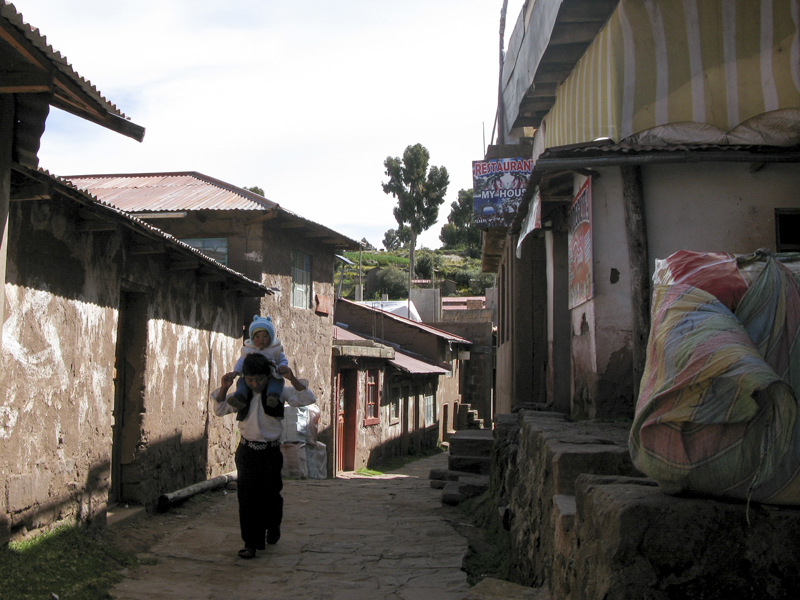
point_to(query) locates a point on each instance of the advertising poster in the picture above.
(498, 186)
(580, 246)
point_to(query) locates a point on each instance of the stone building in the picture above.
(426, 391)
(385, 401)
(292, 256)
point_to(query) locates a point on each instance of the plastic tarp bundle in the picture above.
(304, 460)
(300, 423)
(717, 411)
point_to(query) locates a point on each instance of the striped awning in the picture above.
(659, 62)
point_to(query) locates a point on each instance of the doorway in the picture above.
(129, 369)
(346, 393)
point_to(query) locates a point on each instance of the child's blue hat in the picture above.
(264, 323)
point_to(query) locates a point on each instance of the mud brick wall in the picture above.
(306, 333)
(65, 291)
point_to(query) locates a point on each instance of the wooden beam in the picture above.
(24, 82)
(94, 226)
(139, 249)
(31, 191)
(184, 265)
(261, 218)
(636, 226)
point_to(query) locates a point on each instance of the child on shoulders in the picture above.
(263, 341)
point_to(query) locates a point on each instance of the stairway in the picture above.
(468, 466)
(467, 418)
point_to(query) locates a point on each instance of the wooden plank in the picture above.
(184, 265)
(636, 227)
(94, 226)
(31, 191)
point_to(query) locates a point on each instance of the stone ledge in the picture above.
(635, 541)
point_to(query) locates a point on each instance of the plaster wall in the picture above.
(716, 207)
(63, 293)
(602, 326)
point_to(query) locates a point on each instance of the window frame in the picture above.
(302, 282)
(200, 244)
(372, 397)
(429, 405)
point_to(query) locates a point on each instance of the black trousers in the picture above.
(259, 486)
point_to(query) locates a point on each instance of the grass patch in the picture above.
(364, 472)
(396, 463)
(66, 561)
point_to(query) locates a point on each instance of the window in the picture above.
(430, 407)
(394, 403)
(372, 406)
(787, 228)
(216, 248)
(301, 279)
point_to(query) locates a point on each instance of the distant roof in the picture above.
(30, 184)
(450, 337)
(402, 360)
(42, 69)
(157, 192)
(190, 190)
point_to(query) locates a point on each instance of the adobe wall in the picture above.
(57, 390)
(306, 335)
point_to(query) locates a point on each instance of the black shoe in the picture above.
(274, 411)
(273, 535)
(247, 553)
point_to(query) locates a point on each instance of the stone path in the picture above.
(376, 538)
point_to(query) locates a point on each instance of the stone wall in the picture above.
(586, 526)
(306, 333)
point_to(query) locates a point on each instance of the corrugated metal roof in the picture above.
(65, 188)
(166, 192)
(402, 360)
(340, 333)
(450, 337)
(37, 51)
(188, 190)
(409, 364)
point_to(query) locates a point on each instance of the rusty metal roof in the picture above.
(450, 337)
(187, 191)
(46, 70)
(402, 359)
(165, 192)
(45, 185)
(409, 364)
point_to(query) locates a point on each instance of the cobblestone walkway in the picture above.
(376, 538)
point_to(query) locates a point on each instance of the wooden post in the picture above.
(636, 227)
(6, 143)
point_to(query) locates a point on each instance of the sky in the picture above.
(305, 99)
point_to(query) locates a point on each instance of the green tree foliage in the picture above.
(394, 239)
(459, 231)
(419, 192)
(392, 281)
(255, 189)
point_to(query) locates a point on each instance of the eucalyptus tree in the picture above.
(419, 191)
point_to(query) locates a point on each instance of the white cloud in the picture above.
(305, 99)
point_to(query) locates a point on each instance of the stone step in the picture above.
(447, 474)
(472, 464)
(472, 442)
(455, 492)
(497, 589)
